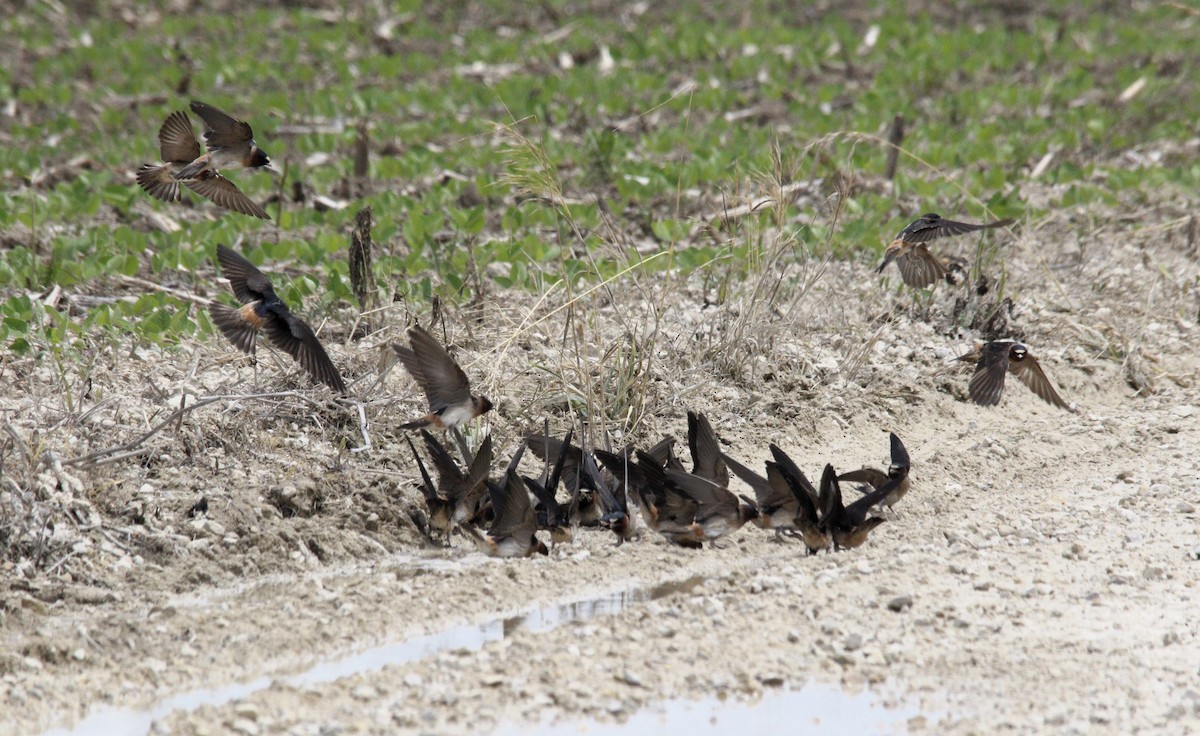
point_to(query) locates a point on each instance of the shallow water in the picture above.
(135, 722)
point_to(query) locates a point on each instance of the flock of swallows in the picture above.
(688, 508)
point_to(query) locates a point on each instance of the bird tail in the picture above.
(424, 421)
(192, 170)
(482, 541)
(231, 324)
(158, 182)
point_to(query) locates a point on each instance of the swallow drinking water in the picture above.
(718, 511)
(183, 164)
(994, 360)
(811, 508)
(849, 525)
(874, 478)
(264, 311)
(514, 531)
(445, 384)
(918, 267)
(777, 505)
(457, 494)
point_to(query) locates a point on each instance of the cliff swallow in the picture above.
(995, 359)
(514, 531)
(443, 381)
(614, 507)
(810, 511)
(580, 485)
(777, 505)
(665, 509)
(264, 310)
(718, 511)
(230, 144)
(624, 475)
(849, 525)
(706, 453)
(455, 498)
(559, 519)
(874, 478)
(179, 149)
(918, 267)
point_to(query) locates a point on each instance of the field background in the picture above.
(618, 211)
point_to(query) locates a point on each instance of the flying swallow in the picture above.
(777, 505)
(849, 525)
(456, 497)
(811, 509)
(874, 478)
(230, 144)
(918, 267)
(263, 310)
(994, 359)
(514, 531)
(179, 148)
(718, 511)
(443, 381)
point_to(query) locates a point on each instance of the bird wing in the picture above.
(831, 506)
(766, 494)
(870, 476)
(224, 193)
(943, 228)
(900, 457)
(706, 453)
(987, 385)
(919, 268)
(856, 513)
(428, 489)
(292, 335)
(1031, 374)
(177, 141)
(444, 382)
(710, 498)
(220, 129)
(450, 476)
(248, 283)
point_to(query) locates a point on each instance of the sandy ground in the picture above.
(1049, 558)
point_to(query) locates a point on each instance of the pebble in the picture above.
(365, 692)
(249, 711)
(1184, 507)
(412, 679)
(245, 727)
(853, 642)
(900, 603)
(629, 678)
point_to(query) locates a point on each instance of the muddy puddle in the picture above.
(135, 722)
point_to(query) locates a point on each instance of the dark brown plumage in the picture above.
(446, 386)
(919, 268)
(994, 360)
(264, 311)
(874, 478)
(183, 164)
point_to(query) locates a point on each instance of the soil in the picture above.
(1040, 576)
